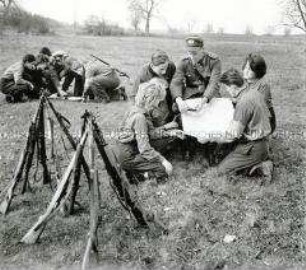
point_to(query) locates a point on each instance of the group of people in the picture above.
(161, 92)
(153, 125)
(54, 74)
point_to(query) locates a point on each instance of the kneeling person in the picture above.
(101, 82)
(250, 129)
(134, 149)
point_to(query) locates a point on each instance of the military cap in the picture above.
(159, 57)
(194, 41)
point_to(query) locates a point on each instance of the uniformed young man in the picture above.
(254, 70)
(250, 130)
(102, 83)
(162, 67)
(197, 75)
(18, 82)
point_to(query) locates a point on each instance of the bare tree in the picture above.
(295, 13)
(209, 29)
(5, 8)
(147, 9)
(220, 31)
(191, 23)
(270, 30)
(136, 19)
(248, 31)
(6, 5)
(287, 31)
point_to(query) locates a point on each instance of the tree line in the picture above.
(141, 13)
(13, 16)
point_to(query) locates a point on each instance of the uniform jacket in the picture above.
(163, 113)
(72, 64)
(199, 79)
(137, 128)
(96, 71)
(147, 74)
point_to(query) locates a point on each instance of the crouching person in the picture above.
(249, 130)
(134, 149)
(18, 81)
(101, 83)
(69, 69)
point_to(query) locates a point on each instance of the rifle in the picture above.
(121, 73)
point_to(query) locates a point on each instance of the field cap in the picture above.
(60, 54)
(159, 57)
(194, 41)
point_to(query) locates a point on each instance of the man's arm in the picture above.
(266, 91)
(242, 115)
(18, 72)
(272, 119)
(178, 81)
(142, 139)
(213, 86)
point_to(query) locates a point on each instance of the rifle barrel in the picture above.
(108, 64)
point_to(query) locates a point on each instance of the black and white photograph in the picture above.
(153, 134)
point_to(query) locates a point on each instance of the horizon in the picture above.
(262, 16)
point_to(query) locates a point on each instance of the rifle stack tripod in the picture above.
(67, 186)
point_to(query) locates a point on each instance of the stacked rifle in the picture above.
(68, 186)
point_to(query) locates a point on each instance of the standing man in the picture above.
(197, 75)
(161, 67)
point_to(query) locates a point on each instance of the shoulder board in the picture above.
(212, 55)
(185, 59)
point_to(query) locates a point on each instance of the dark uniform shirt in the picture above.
(252, 112)
(146, 74)
(162, 114)
(195, 80)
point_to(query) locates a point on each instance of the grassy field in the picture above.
(268, 221)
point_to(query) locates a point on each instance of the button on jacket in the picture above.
(199, 79)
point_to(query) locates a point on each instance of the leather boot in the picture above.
(265, 168)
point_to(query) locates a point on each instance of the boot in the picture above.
(265, 168)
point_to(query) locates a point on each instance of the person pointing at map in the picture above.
(197, 75)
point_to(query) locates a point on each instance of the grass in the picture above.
(267, 220)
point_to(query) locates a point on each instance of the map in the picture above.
(210, 122)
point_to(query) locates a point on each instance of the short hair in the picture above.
(46, 51)
(232, 77)
(28, 58)
(159, 57)
(257, 64)
(150, 91)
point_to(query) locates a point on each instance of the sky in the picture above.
(231, 15)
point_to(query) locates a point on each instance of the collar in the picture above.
(244, 88)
